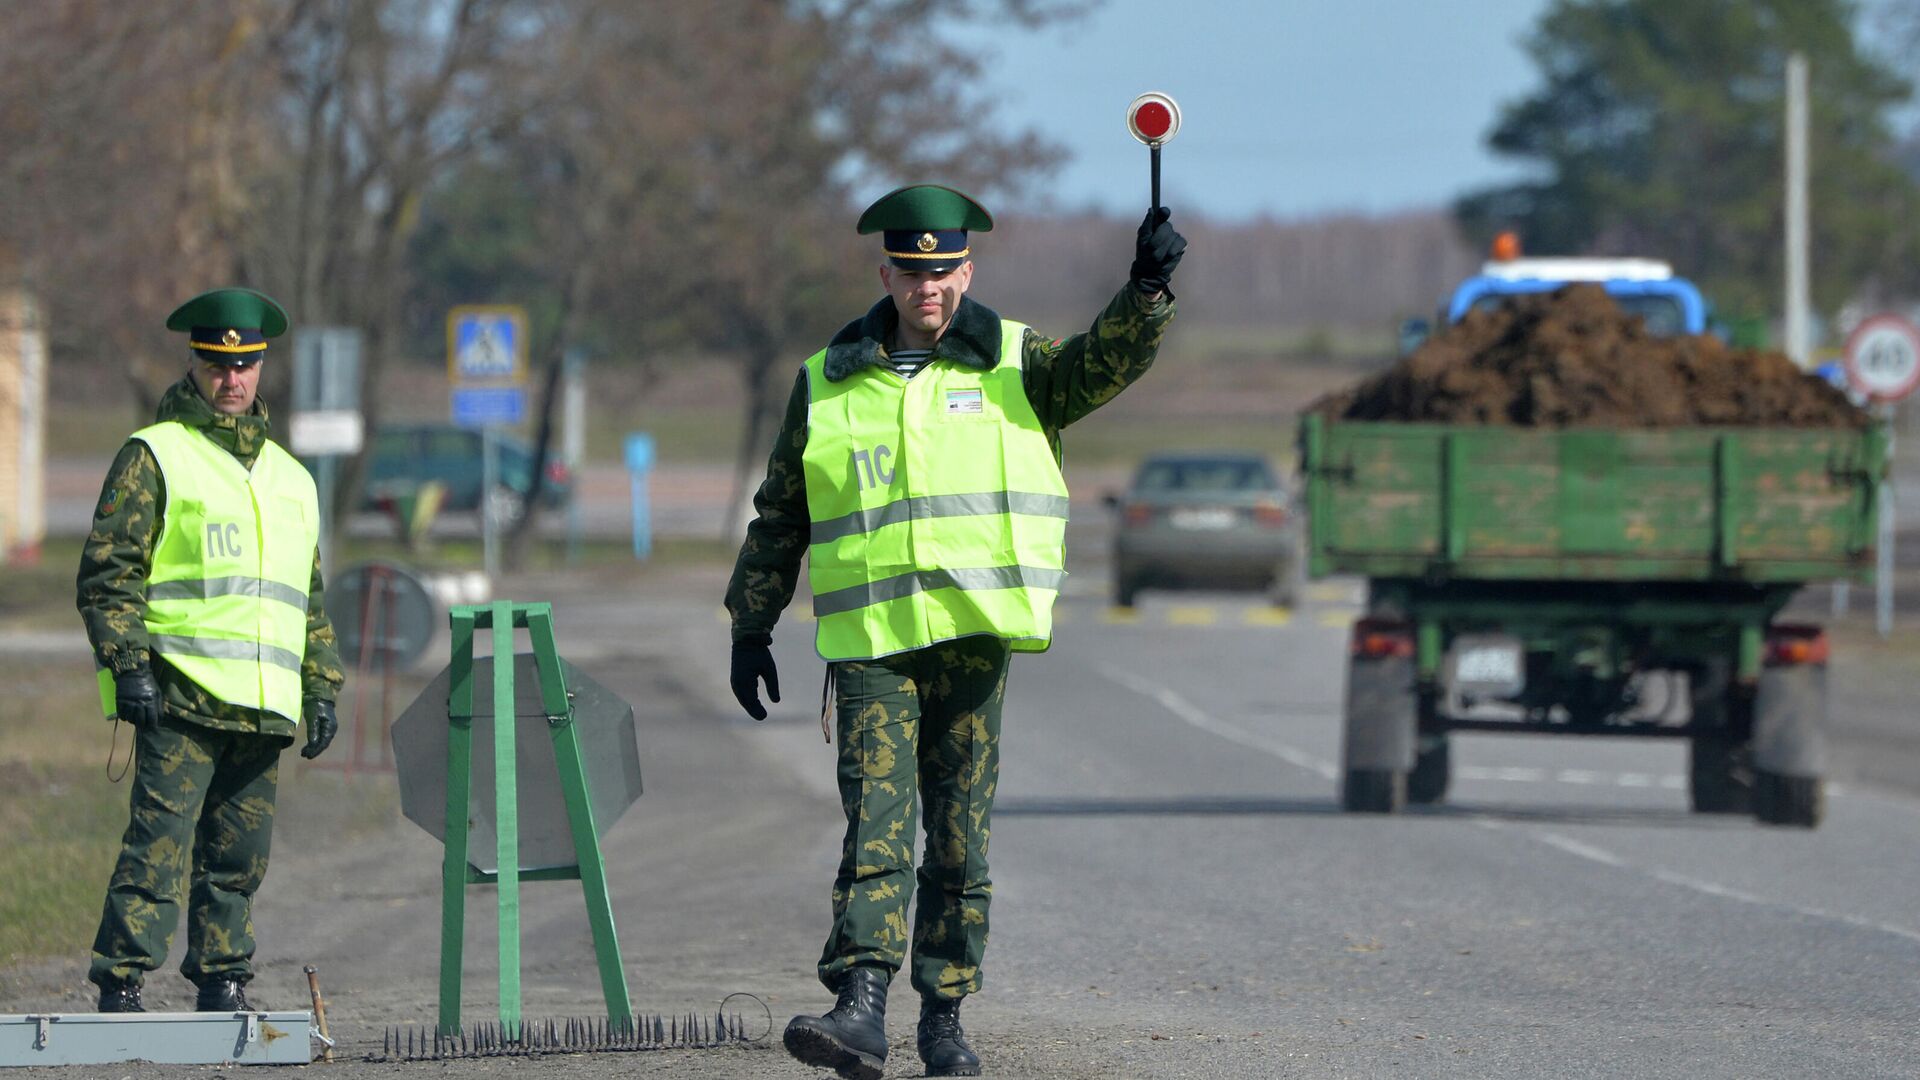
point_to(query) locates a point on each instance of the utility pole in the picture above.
(1799, 300)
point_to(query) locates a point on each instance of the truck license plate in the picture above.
(1488, 666)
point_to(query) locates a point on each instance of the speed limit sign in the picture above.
(1883, 358)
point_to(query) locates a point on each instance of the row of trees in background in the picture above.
(661, 176)
(1659, 130)
(657, 179)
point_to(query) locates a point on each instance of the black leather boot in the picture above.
(222, 995)
(943, 1045)
(852, 1038)
(120, 997)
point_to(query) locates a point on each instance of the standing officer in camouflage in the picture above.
(918, 468)
(200, 589)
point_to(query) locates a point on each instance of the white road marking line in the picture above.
(1700, 885)
(1193, 714)
(1575, 847)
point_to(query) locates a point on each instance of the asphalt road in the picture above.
(1176, 893)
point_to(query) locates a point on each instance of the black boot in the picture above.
(222, 994)
(943, 1045)
(852, 1038)
(120, 997)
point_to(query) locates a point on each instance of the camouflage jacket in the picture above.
(112, 585)
(1065, 378)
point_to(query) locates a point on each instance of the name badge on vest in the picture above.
(965, 402)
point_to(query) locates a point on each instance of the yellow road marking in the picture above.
(1330, 594)
(1268, 616)
(1192, 615)
(1120, 616)
(1338, 618)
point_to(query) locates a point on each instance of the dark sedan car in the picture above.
(1204, 521)
(406, 456)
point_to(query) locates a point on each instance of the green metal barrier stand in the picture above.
(503, 617)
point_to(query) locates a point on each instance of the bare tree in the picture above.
(131, 136)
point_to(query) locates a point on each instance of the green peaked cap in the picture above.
(237, 309)
(925, 207)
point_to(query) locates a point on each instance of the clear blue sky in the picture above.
(1290, 107)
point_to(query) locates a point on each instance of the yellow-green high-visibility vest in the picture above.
(937, 508)
(227, 591)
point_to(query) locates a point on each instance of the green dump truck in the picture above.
(1620, 582)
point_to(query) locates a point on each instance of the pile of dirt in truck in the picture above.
(1573, 358)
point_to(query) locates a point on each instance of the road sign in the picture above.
(605, 726)
(383, 616)
(486, 406)
(1883, 357)
(321, 434)
(486, 344)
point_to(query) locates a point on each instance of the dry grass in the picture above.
(62, 817)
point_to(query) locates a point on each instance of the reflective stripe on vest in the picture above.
(227, 588)
(937, 508)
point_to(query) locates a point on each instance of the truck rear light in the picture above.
(1788, 645)
(1138, 514)
(1380, 639)
(557, 473)
(1274, 516)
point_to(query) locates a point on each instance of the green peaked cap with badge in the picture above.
(229, 326)
(925, 226)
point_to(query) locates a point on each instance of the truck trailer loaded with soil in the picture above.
(1571, 524)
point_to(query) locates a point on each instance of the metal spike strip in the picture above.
(563, 1036)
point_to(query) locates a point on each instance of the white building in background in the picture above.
(23, 427)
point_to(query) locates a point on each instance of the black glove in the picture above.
(753, 661)
(321, 726)
(136, 698)
(1156, 252)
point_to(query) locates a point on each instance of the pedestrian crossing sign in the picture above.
(487, 345)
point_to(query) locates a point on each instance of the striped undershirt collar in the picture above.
(908, 362)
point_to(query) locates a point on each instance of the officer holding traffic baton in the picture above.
(918, 469)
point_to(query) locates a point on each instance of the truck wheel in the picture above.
(1381, 726)
(1432, 770)
(1789, 745)
(1799, 801)
(1718, 778)
(1374, 791)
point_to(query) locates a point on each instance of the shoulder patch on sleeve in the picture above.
(111, 502)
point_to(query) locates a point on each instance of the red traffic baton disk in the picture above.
(1153, 118)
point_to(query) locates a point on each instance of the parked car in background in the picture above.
(1205, 520)
(406, 456)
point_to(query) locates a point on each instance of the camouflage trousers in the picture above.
(202, 801)
(922, 725)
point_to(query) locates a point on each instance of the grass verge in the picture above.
(62, 817)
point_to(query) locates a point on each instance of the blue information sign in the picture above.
(486, 406)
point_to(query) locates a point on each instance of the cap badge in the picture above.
(926, 242)
(230, 338)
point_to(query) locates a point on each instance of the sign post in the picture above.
(573, 439)
(487, 374)
(639, 467)
(327, 422)
(1883, 364)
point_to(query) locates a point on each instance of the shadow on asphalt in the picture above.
(1188, 805)
(1180, 805)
